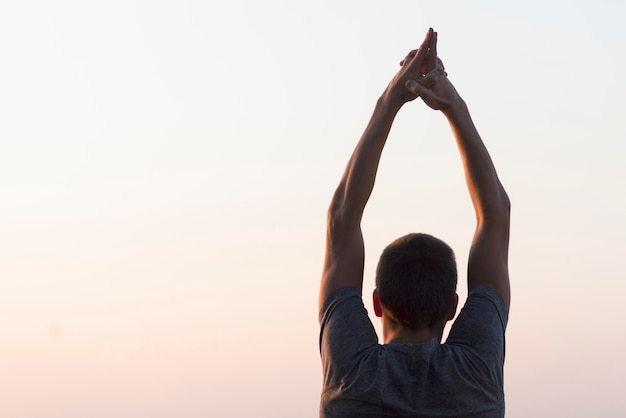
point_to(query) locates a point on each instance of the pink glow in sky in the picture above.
(166, 168)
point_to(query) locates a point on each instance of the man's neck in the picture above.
(395, 334)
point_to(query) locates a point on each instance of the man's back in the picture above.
(463, 377)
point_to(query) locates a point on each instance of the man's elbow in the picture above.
(335, 209)
(340, 214)
(337, 203)
(503, 209)
(497, 211)
(505, 202)
(335, 216)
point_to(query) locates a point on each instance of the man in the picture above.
(412, 374)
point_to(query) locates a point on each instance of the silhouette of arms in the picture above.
(344, 257)
(488, 258)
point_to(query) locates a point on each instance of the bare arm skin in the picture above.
(488, 258)
(489, 253)
(345, 254)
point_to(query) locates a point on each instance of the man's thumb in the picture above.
(414, 86)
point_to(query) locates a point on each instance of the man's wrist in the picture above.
(390, 102)
(457, 109)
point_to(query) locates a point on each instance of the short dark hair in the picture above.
(416, 280)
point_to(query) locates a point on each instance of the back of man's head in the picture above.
(416, 280)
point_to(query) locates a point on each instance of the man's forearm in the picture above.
(488, 195)
(358, 178)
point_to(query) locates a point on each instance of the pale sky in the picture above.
(166, 168)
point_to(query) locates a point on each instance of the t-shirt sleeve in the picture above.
(480, 327)
(345, 332)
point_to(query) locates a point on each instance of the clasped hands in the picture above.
(422, 74)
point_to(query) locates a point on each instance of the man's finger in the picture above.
(415, 87)
(423, 49)
(427, 95)
(431, 77)
(408, 57)
(432, 53)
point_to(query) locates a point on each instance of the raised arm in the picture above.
(345, 256)
(488, 258)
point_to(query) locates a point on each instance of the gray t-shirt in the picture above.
(461, 378)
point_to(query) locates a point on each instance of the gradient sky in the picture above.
(166, 167)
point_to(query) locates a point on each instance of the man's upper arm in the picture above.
(345, 254)
(480, 328)
(488, 257)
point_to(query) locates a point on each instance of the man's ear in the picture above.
(378, 310)
(453, 308)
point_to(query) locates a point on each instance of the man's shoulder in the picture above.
(338, 296)
(484, 306)
(477, 336)
(345, 327)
